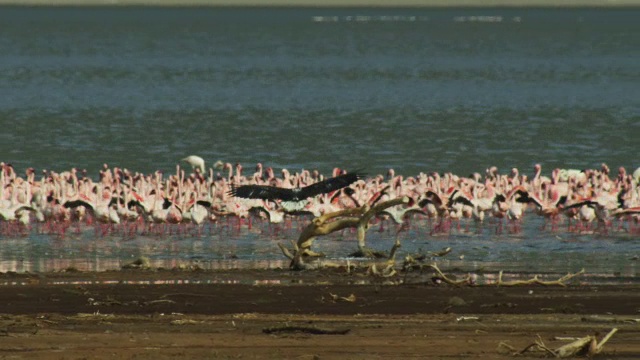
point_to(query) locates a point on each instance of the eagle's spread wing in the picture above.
(263, 192)
(75, 203)
(298, 194)
(588, 203)
(329, 185)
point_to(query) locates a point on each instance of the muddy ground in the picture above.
(300, 315)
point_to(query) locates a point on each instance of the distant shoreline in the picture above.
(333, 3)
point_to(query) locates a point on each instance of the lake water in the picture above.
(411, 89)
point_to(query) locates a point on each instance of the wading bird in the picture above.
(196, 162)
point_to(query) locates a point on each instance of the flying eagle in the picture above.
(295, 199)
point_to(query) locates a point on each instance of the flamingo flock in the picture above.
(122, 200)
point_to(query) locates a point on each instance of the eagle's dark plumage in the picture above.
(296, 194)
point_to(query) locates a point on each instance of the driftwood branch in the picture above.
(416, 263)
(389, 266)
(285, 251)
(600, 345)
(363, 224)
(536, 281)
(351, 298)
(442, 277)
(587, 345)
(328, 223)
(411, 263)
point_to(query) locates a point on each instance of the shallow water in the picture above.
(485, 249)
(417, 90)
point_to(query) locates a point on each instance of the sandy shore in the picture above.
(336, 3)
(260, 314)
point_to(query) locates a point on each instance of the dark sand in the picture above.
(76, 315)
